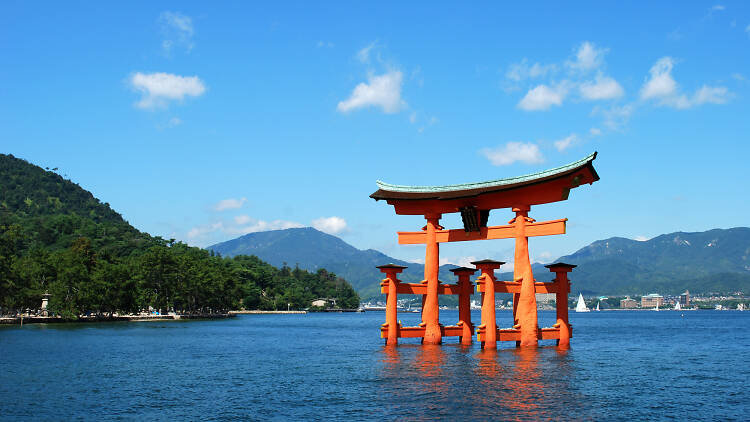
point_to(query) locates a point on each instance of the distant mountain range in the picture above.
(311, 249)
(716, 260)
(712, 261)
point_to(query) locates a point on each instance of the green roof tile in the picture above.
(489, 184)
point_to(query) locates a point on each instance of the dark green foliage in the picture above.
(312, 250)
(56, 237)
(714, 261)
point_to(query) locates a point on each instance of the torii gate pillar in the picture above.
(487, 331)
(524, 303)
(464, 303)
(390, 283)
(561, 271)
(430, 309)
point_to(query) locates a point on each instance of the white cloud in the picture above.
(326, 44)
(242, 219)
(461, 261)
(171, 123)
(615, 117)
(382, 91)
(261, 226)
(520, 71)
(158, 89)
(711, 94)
(542, 97)
(330, 225)
(662, 88)
(243, 224)
(528, 153)
(595, 131)
(566, 142)
(177, 29)
(200, 231)
(675, 35)
(415, 118)
(363, 55)
(543, 257)
(660, 84)
(640, 238)
(465, 261)
(602, 88)
(588, 57)
(718, 7)
(229, 204)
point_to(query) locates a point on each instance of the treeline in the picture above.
(168, 276)
(57, 238)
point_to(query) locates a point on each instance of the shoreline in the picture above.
(121, 318)
(252, 312)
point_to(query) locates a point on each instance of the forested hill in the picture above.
(54, 212)
(712, 261)
(57, 237)
(312, 249)
(716, 261)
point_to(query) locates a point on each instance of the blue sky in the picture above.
(203, 121)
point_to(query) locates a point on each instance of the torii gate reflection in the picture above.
(475, 201)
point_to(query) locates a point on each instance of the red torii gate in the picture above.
(475, 201)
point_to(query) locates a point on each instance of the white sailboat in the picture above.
(657, 306)
(677, 306)
(597, 305)
(581, 305)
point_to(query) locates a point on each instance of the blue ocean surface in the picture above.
(622, 365)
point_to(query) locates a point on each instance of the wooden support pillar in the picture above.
(430, 309)
(561, 271)
(391, 302)
(526, 312)
(466, 289)
(487, 330)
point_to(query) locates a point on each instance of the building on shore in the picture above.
(652, 300)
(685, 299)
(628, 303)
(545, 298)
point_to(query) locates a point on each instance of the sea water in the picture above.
(622, 365)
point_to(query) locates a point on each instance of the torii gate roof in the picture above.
(538, 188)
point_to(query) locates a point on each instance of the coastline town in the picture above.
(652, 301)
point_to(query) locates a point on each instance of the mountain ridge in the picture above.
(356, 265)
(58, 238)
(715, 260)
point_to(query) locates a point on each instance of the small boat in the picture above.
(740, 306)
(597, 306)
(581, 305)
(677, 306)
(657, 306)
